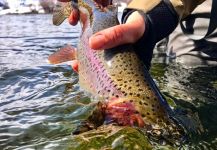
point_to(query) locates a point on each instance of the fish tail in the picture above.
(61, 12)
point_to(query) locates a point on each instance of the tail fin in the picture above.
(61, 12)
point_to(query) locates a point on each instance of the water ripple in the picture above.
(40, 104)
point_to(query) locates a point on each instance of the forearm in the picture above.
(161, 15)
(182, 7)
(161, 18)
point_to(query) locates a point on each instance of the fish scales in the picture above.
(59, 14)
(119, 73)
(119, 78)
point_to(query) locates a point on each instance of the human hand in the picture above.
(73, 16)
(129, 32)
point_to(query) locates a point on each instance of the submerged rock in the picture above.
(109, 137)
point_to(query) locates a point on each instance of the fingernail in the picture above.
(98, 37)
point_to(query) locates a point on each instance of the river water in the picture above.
(40, 104)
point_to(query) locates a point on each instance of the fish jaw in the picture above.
(123, 112)
(130, 112)
(115, 111)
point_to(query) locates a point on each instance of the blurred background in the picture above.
(26, 6)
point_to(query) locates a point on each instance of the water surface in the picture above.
(40, 104)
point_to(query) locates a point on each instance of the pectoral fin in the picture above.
(64, 54)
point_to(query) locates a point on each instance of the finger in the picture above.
(74, 17)
(120, 34)
(74, 65)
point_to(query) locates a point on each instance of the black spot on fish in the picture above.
(145, 103)
(131, 100)
(143, 115)
(140, 102)
(136, 112)
(138, 95)
(129, 88)
(148, 113)
(147, 97)
(160, 120)
(111, 81)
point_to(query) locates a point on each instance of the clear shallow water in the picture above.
(40, 104)
(37, 100)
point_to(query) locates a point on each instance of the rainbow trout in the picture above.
(119, 80)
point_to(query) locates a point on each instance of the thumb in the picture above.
(129, 32)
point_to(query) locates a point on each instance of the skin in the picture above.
(130, 32)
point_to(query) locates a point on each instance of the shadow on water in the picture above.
(193, 89)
